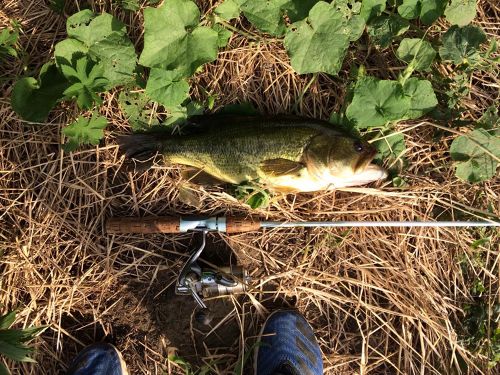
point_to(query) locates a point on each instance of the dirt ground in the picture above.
(380, 300)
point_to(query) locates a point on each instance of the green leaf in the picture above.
(84, 131)
(474, 164)
(319, 43)
(11, 340)
(376, 103)
(179, 114)
(8, 40)
(391, 147)
(130, 5)
(223, 35)
(422, 97)
(297, 10)
(252, 195)
(7, 320)
(167, 87)
(385, 28)
(427, 10)
(15, 350)
(4, 370)
(117, 56)
(89, 28)
(229, 9)
(372, 8)
(490, 120)
(418, 53)
(461, 45)
(57, 5)
(87, 80)
(103, 38)
(136, 109)
(33, 99)
(269, 15)
(461, 12)
(258, 200)
(173, 40)
(266, 15)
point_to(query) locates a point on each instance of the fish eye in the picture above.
(358, 146)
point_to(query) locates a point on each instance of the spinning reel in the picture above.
(204, 282)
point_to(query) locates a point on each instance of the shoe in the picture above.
(287, 346)
(98, 359)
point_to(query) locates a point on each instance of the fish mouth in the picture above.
(365, 160)
(370, 173)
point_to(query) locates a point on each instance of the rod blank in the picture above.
(378, 224)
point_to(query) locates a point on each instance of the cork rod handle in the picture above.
(124, 225)
(235, 224)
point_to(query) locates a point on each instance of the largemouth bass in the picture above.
(287, 154)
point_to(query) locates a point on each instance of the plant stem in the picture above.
(236, 30)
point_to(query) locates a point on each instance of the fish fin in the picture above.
(281, 167)
(283, 190)
(200, 177)
(142, 148)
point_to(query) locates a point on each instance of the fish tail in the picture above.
(143, 148)
(140, 146)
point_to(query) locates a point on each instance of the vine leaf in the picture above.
(372, 8)
(87, 80)
(130, 5)
(104, 40)
(84, 131)
(422, 98)
(377, 102)
(33, 99)
(266, 15)
(297, 10)
(8, 40)
(461, 45)
(269, 15)
(427, 10)
(461, 12)
(472, 154)
(167, 87)
(173, 39)
(135, 107)
(391, 147)
(223, 35)
(385, 28)
(319, 43)
(229, 9)
(418, 53)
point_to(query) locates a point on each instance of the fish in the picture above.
(282, 153)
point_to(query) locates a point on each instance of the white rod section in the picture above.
(335, 224)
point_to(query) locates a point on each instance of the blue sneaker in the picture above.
(98, 359)
(287, 346)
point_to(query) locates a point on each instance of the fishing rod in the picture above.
(235, 224)
(204, 282)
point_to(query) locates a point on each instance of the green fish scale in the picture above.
(234, 153)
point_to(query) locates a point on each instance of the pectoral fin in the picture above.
(281, 167)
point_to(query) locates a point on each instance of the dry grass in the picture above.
(379, 300)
